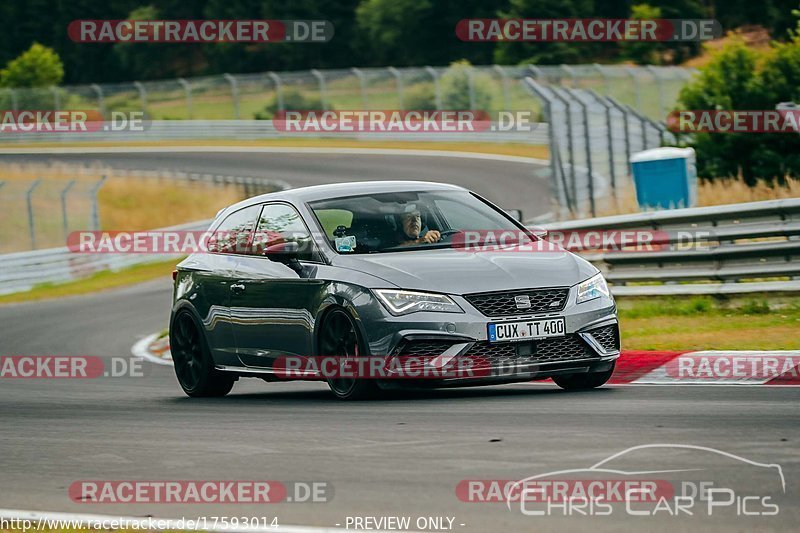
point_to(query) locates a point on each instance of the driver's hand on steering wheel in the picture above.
(430, 237)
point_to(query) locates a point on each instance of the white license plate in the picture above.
(524, 330)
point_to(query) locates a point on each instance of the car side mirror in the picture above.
(516, 214)
(284, 252)
(538, 232)
(287, 253)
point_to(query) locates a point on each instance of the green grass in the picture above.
(707, 323)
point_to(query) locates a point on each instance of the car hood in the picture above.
(462, 272)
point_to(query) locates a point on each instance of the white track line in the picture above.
(88, 520)
(271, 149)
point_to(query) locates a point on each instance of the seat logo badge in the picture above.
(523, 301)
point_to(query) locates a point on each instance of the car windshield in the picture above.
(403, 221)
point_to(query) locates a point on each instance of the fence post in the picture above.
(64, 220)
(13, 94)
(570, 148)
(437, 91)
(278, 89)
(101, 103)
(504, 82)
(632, 73)
(56, 98)
(95, 206)
(662, 129)
(362, 83)
(588, 148)
(396, 74)
(643, 121)
(610, 138)
(323, 98)
(643, 124)
(31, 222)
(188, 90)
(234, 94)
(142, 97)
(659, 84)
(555, 156)
(626, 126)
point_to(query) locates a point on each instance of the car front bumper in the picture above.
(591, 343)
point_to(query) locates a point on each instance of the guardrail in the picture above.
(23, 271)
(728, 249)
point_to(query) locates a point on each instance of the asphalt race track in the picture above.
(511, 185)
(403, 455)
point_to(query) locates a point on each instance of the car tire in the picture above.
(191, 356)
(586, 381)
(339, 337)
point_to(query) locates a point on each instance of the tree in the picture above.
(39, 66)
(511, 52)
(159, 60)
(643, 52)
(419, 32)
(455, 86)
(744, 79)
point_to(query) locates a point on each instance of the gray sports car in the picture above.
(418, 279)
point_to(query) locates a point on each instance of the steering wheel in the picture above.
(449, 232)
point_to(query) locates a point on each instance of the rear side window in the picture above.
(233, 236)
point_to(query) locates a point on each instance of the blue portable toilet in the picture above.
(665, 178)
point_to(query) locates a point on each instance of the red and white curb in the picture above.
(711, 367)
(708, 368)
(153, 348)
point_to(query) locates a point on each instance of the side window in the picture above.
(278, 225)
(235, 232)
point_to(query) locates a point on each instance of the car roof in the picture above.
(337, 190)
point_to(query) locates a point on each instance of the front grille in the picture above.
(562, 349)
(607, 337)
(421, 348)
(494, 353)
(504, 303)
(567, 348)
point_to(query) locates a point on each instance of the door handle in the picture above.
(237, 288)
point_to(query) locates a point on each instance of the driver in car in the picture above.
(411, 220)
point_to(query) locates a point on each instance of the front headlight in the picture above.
(592, 288)
(400, 302)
